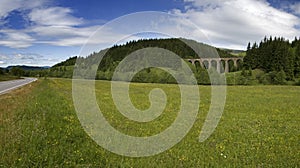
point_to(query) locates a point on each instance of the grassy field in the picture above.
(259, 128)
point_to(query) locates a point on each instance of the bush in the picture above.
(100, 75)
(17, 71)
(274, 77)
(1, 72)
(264, 79)
(298, 83)
(280, 78)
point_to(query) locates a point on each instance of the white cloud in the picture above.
(15, 39)
(295, 8)
(227, 23)
(3, 57)
(204, 4)
(50, 25)
(6, 6)
(31, 59)
(54, 16)
(27, 56)
(62, 31)
(235, 22)
(81, 36)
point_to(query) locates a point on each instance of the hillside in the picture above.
(70, 61)
(176, 45)
(274, 53)
(237, 53)
(27, 68)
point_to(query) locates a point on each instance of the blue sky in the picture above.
(45, 32)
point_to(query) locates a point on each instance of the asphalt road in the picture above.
(7, 86)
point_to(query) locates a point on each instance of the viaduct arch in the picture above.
(208, 62)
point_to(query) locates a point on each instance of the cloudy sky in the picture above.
(44, 32)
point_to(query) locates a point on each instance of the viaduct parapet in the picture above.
(216, 62)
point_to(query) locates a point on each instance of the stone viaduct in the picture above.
(216, 62)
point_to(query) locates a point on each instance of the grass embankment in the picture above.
(259, 128)
(8, 77)
(10, 104)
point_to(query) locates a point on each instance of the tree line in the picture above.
(272, 61)
(274, 55)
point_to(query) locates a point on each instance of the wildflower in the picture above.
(223, 155)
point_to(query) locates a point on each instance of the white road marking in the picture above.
(21, 81)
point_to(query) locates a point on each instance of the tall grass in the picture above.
(259, 128)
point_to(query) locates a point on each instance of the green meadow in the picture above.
(259, 128)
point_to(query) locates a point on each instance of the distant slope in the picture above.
(238, 53)
(28, 68)
(70, 61)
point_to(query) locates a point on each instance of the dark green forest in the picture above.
(177, 46)
(275, 54)
(114, 55)
(271, 61)
(277, 57)
(69, 62)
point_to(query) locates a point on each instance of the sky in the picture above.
(45, 32)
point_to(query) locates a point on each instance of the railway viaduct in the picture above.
(216, 62)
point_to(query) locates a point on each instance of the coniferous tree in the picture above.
(275, 55)
(297, 59)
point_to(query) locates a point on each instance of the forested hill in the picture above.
(274, 55)
(70, 61)
(272, 61)
(177, 45)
